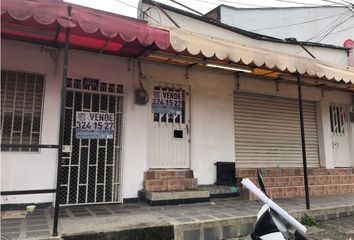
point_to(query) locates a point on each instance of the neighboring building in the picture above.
(326, 24)
(122, 71)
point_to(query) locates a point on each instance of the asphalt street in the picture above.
(335, 229)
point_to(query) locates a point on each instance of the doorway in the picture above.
(170, 127)
(91, 156)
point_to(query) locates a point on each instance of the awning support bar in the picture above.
(301, 110)
(61, 127)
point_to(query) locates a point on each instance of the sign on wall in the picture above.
(349, 43)
(167, 101)
(94, 125)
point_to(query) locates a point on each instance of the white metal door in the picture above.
(170, 134)
(267, 132)
(91, 167)
(340, 135)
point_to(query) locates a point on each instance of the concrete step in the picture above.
(173, 184)
(168, 174)
(175, 197)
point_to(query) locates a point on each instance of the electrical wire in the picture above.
(132, 6)
(324, 36)
(328, 32)
(254, 5)
(343, 30)
(301, 3)
(185, 6)
(350, 3)
(230, 2)
(330, 28)
(338, 3)
(299, 23)
(339, 33)
(327, 28)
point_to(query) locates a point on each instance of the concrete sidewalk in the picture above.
(220, 219)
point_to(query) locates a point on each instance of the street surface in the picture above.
(336, 229)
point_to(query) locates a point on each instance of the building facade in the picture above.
(212, 115)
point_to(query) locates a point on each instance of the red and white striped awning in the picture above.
(45, 21)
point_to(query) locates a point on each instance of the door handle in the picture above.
(187, 128)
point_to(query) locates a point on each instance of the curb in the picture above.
(234, 227)
(145, 233)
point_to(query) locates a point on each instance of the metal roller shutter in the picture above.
(267, 132)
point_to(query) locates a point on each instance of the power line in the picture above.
(323, 37)
(189, 8)
(338, 3)
(326, 28)
(299, 23)
(328, 32)
(231, 2)
(254, 5)
(343, 30)
(301, 3)
(329, 29)
(132, 6)
(350, 3)
(339, 32)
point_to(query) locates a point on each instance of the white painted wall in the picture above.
(212, 123)
(334, 56)
(25, 171)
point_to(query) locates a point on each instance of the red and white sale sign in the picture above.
(349, 43)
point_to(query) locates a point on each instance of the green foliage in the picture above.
(308, 220)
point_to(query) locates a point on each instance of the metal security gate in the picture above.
(267, 132)
(91, 167)
(340, 134)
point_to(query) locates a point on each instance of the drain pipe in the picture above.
(301, 110)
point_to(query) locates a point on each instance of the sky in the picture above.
(129, 7)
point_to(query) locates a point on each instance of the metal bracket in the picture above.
(186, 74)
(129, 64)
(277, 81)
(104, 46)
(237, 81)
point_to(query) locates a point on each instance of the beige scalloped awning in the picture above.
(210, 47)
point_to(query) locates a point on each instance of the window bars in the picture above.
(21, 110)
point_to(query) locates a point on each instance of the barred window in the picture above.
(21, 109)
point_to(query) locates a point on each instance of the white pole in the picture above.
(254, 189)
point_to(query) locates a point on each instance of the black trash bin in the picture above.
(225, 174)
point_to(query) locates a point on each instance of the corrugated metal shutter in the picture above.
(267, 132)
